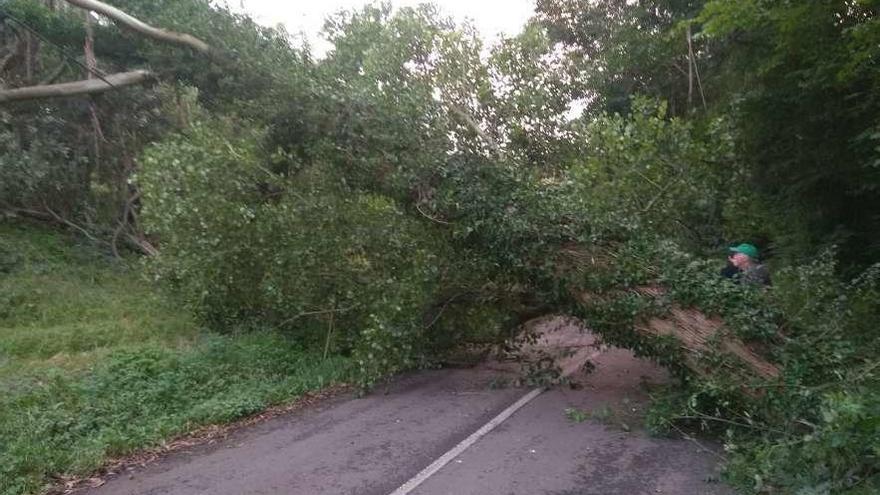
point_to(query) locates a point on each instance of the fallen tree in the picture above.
(699, 334)
(109, 82)
(696, 334)
(77, 88)
(125, 20)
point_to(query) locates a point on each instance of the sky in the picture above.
(491, 17)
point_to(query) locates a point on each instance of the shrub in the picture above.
(241, 245)
(56, 422)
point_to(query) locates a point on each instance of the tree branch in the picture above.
(141, 27)
(58, 218)
(429, 217)
(693, 70)
(700, 84)
(54, 75)
(659, 195)
(142, 245)
(123, 222)
(466, 117)
(317, 312)
(85, 87)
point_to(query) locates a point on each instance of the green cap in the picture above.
(746, 249)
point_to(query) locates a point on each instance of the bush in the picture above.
(37, 165)
(56, 422)
(240, 244)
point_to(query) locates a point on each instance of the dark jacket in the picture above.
(757, 274)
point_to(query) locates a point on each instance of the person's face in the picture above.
(739, 260)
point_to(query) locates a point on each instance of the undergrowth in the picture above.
(94, 364)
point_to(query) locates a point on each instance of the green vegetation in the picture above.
(404, 195)
(68, 305)
(94, 364)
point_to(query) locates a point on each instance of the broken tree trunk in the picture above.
(697, 334)
(126, 20)
(86, 87)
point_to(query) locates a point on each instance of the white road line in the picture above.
(443, 460)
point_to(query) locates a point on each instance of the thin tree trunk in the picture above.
(28, 58)
(700, 84)
(182, 108)
(91, 69)
(329, 335)
(89, 47)
(690, 69)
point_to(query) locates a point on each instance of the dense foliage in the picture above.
(415, 190)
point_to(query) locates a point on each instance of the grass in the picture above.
(94, 363)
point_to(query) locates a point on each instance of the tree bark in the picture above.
(89, 47)
(28, 58)
(91, 69)
(141, 27)
(86, 87)
(690, 69)
(693, 70)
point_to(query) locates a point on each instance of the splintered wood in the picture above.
(697, 332)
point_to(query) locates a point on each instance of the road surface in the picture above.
(375, 444)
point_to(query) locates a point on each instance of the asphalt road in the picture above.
(372, 445)
(600, 449)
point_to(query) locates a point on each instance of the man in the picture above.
(743, 266)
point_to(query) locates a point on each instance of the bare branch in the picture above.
(123, 222)
(329, 334)
(476, 128)
(142, 245)
(442, 309)
(25, 212)
(58, 218)
(314, 313)
(89, 47)
(429, 217)
(87, 87)
(659, 195)
(693, 70)
(29, 58)
(700, 84)
(141, 27)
